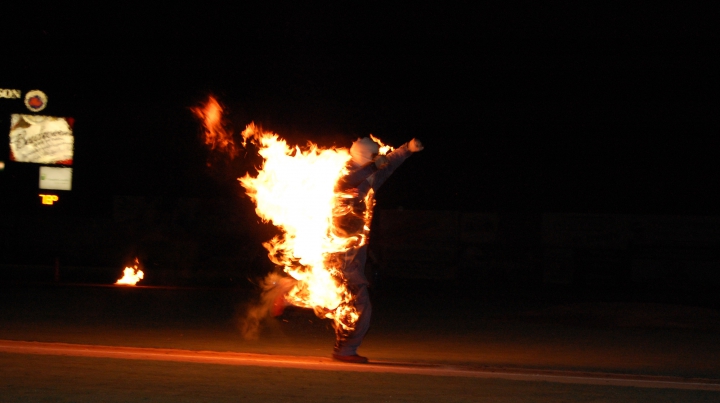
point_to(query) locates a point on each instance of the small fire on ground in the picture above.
(131, 275)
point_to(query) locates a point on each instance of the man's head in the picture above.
(364, 150)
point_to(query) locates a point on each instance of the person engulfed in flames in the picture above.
(367, 171)
(321, 201)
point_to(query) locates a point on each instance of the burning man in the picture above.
(367, 172)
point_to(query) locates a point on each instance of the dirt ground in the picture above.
(31, 378)
(411, 323)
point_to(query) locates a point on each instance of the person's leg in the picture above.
(347, 343)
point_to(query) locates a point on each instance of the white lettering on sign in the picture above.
(11, 94)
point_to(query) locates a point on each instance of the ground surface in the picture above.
(519, 330)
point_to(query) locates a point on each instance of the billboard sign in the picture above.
(41, 139)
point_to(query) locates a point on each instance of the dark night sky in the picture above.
(608, 108)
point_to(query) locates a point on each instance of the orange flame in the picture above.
(216, 137)
(295, 190)
(384, 149)
(131, 275)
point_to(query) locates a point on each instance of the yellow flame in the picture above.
(131, 275)
(384, 149)
(295, 190)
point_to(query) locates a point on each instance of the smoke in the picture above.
(273, 286)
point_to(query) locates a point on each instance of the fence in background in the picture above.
(195, 237)
(549, 248)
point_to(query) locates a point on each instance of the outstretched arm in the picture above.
(394, 160)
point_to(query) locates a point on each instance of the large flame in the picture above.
(295, 190)
(131, 275)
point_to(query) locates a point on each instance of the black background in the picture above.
(605, 107)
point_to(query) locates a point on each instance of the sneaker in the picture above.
(356, 359)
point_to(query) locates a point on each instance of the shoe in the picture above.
(356, 359)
